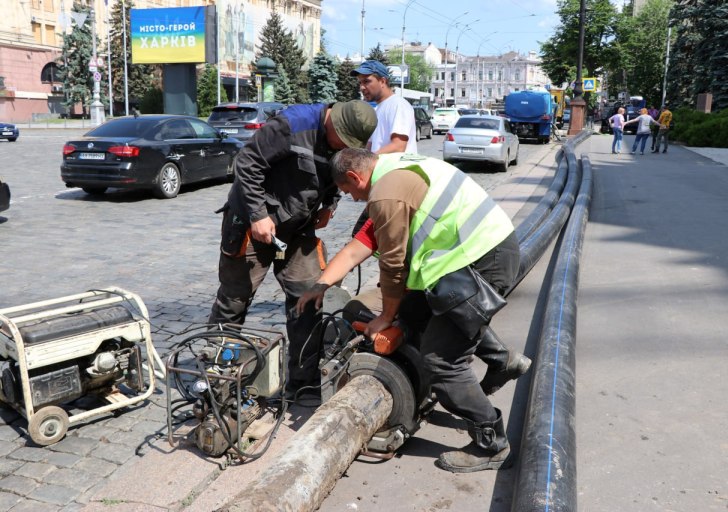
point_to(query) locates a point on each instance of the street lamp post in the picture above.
(401, 71)
(97, 108)
(444, 85)
(457, 47)
(578, 105)
(667, 65)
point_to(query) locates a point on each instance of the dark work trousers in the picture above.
(446, 350)
(305, 259)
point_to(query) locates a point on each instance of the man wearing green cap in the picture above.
(283, 192)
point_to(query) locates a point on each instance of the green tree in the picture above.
(282, 86)
(377, 53)
(420, 72)
(322, 79)
(78, 83)
(279, 44)
(560, 52)
(139, 77)
(207, 91)
(641, 45)
(347, 86)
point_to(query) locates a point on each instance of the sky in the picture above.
(473, 26)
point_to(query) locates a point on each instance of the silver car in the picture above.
(482, 139)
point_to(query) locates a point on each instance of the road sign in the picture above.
(97, 76)
(589, 84)
(397, 73)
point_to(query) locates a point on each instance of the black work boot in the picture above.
(489, 449)
(503, 364)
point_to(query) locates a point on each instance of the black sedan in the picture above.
(157, 152)
(9, 131)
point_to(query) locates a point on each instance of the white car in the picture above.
(483, 139)
(444, 118)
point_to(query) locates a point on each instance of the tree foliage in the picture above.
(347, 86)
(279, 44)
(207, 91)
(420, 72)
(377, 53)
(139, 77)
(322, 79)
(78, 83)
(282, 87)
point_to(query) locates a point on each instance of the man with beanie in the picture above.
(396, 131)
(282, 192)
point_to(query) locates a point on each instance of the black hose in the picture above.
(547, 480)
(542, 209)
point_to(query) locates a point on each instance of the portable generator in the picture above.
(56, 351)
(227, 376)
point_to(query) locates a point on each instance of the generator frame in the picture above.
(57, 350)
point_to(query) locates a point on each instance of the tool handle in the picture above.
(386, 341)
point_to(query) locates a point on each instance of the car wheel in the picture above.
(429, 134)
(169, 181)
(94, 191)
(515, 160)
(504, 166)
(12, 139)
(418, 134)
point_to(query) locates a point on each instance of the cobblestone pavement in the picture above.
(56, 241)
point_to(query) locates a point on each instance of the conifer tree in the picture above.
(278, 44)
(347, 86)
(282, 86)
(78, 83)
(207, 91)
(377, 53)
(322, 79)
(140, 77)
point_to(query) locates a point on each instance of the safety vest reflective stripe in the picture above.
(469, 226)
(438, 209)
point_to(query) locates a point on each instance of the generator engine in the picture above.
(56, 351)
(226, 382)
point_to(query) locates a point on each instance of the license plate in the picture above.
(92, 156)
(473, 151)
(229, 130)
(7, 133)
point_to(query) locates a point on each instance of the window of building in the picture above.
(49, 74)
(490, 92)
(50, 35)
(480, 75)
(35, 4)
(48, 5)
(518, 74)
(462, 93)
(37, 36)
(452, 92)
(500, 75)
(452, 75)
(463, 76)
(490, 74)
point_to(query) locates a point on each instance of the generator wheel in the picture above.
(48, 425)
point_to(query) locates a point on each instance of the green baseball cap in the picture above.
(354, 122)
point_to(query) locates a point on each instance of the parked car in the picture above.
(567, 116)
(444, 118)
(482, 138)
(241, 120)
(9, 131)
(157, 152)
(467, 111)
(4, 196)
(423, 123)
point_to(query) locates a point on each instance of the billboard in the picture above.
(168, 35)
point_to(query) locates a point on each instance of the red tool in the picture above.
(386, 341)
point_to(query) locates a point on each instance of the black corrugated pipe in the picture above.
(547, 478)
(538, 241)
(547, 202)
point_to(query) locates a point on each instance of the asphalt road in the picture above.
(56, 241)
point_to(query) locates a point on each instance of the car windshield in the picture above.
(467, 111)
(444, 111)
(233, 114)
(474, 122)
(125, 127)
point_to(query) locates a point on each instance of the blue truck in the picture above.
(531, 113)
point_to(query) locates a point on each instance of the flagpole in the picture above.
(126, 82)
(108, 49)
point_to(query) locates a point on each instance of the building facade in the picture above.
(483, 81)
(31, 40)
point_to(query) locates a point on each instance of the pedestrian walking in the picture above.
(617, 124)
(644, 121)
(664, 130)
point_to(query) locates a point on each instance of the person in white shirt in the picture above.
(617, 123)
(396, 129)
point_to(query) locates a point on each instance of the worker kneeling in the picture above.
(445, 246)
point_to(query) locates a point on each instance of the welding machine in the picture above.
(56, 351)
